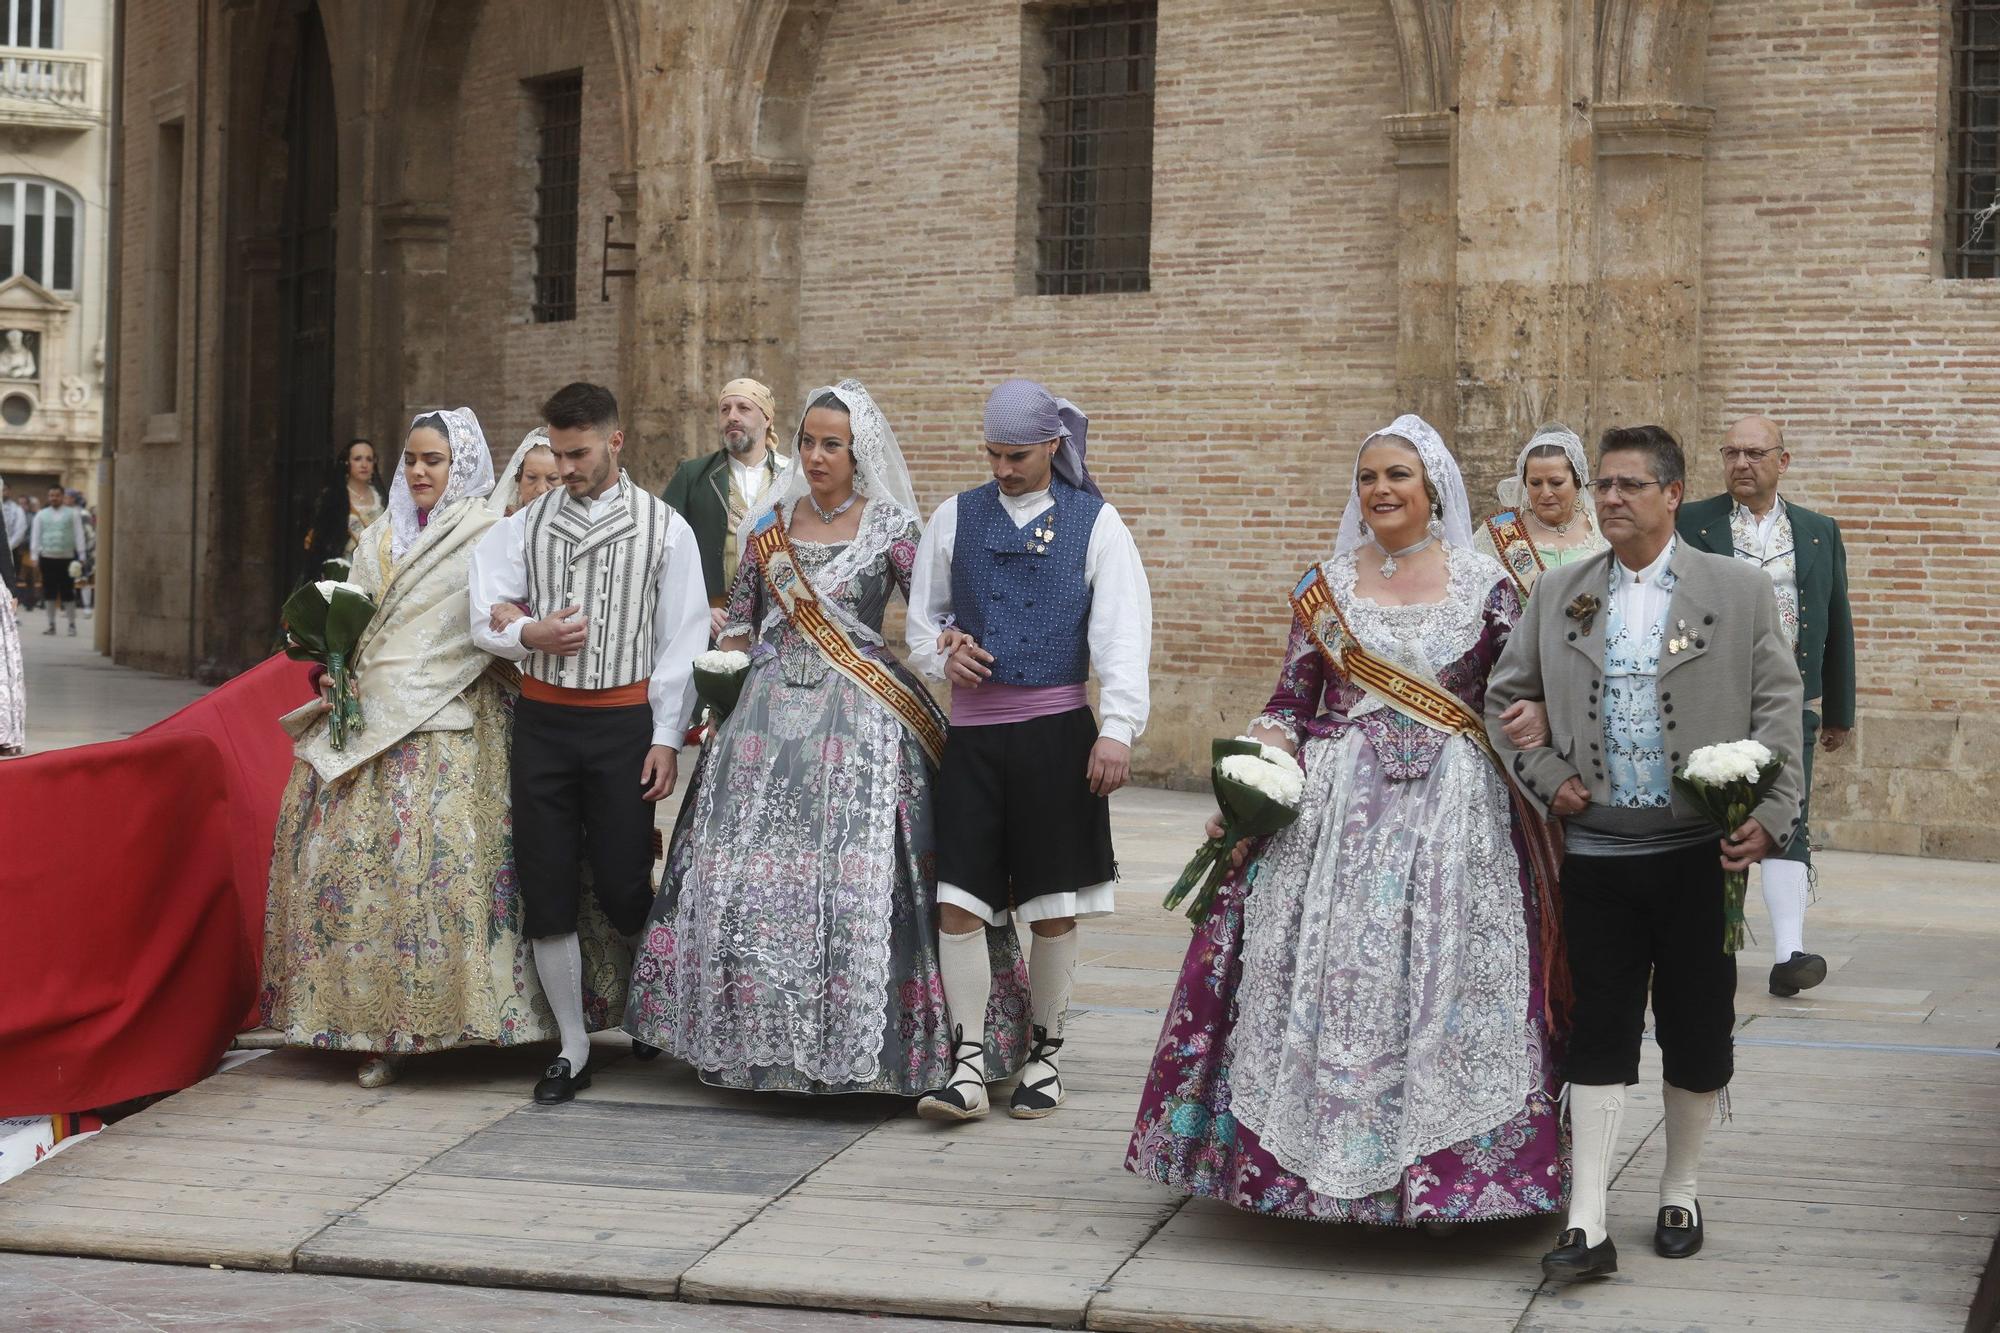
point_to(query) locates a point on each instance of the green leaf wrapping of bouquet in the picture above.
(1767, 778)
(720, 689)
(347, 615)
(337, 569)
(305, 619)
(1251, 813)
(1220, 749)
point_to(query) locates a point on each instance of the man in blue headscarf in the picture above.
(1023, 586)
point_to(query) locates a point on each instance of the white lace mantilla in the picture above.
(1383, 1010)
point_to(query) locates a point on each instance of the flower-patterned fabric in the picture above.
(792, 944)
(1357, 1033)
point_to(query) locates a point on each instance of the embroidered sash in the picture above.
(1518, 556)
(794, 594)
(1426, 701)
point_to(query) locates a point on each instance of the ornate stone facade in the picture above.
(1490, 211)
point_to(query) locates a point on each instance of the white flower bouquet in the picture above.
(718, 680)
(323, 623)
(1726, 782)
(1257, 788)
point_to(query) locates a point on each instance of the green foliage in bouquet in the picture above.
(1725, 783)
(718, 680)
(324, 622)
(1247, 812)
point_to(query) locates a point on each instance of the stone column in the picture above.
(1522, 184)
(1645, 356)
(1426, 261)
(417, 242)
(754, 314)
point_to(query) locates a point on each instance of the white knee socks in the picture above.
(967, 973)
(1051, 972)
(1787, 884)
(1595, 1112)
(1688, 1114)
(559, 964)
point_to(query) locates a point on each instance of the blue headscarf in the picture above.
(1023, 412)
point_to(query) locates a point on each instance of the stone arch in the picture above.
(1424, 50)
(1652, 51)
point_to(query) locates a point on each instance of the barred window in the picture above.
(1972, 171)
(1095, 220)
(559, 166)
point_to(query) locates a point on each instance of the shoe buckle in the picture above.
(1679, 1219)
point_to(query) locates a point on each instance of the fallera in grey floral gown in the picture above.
(793, 945)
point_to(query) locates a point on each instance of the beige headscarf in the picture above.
(759, 394)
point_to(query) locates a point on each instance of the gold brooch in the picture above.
(1583, 610)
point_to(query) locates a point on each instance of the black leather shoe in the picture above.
(642, 1050)
(1802, 971)
(558, 1085)
(1677, 1235)
(1571, 1259)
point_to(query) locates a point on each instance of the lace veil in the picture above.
(507, 487)
(471, 477)
(1513, 491)
(1440, 468)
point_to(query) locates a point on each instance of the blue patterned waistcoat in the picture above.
(1022, 597)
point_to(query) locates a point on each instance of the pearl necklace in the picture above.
(1389, 565)
(827, 516)
(1559, 529)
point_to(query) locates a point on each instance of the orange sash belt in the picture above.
(618, 696)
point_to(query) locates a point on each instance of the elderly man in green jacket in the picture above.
(715, 491)
(1802, 553)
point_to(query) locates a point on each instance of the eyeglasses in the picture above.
(1730, 455)
(1625, 486)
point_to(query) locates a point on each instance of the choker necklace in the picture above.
(827, 516)
(1389, 557)
(1559, 529)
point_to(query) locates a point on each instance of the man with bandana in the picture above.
(715, 491)
(1021, 588)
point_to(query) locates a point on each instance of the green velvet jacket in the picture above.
(699, 493)
(1825, 651)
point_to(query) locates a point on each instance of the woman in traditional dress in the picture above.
(792, 946)
(532, 471)
(13, 681)
(394, 921)
(1550, 519)
(352, 500)
(1359, 1033)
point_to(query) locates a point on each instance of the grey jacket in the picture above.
(1735, 680)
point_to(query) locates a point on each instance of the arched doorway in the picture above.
(305, 295)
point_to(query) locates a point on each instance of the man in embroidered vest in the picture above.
(1021, 587)
(1642, 655)
(1802, 552)
(616, 615)
(714, 492)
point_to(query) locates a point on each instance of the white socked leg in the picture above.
(1688, 1114)
(1787, 886)
(559, 964)
(1595, 1113)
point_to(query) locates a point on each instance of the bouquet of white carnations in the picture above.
(1257, 789)
(718, 680)
(323, 623)
(1726, 782)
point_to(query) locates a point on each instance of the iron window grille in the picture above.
(1095, 219)
(1972, 172)
(559, 168)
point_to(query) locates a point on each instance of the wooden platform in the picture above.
(1857, 1187)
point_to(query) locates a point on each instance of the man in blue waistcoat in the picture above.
(1021, 587)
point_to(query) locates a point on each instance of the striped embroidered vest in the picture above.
(609, 569)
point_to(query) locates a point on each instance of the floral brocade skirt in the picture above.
(393, 922)
(1187, 1137)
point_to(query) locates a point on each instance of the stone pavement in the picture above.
(1857, 1188)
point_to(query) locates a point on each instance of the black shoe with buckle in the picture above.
(1571, 1259)
(1802, 971)
(644, 1050)
(558, 1085)
(1677, 1235)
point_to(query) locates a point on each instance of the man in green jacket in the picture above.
(715, 491)
(1802, 553)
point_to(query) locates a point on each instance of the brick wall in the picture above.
(1823, 309)
(1225, 402)
(502, 362)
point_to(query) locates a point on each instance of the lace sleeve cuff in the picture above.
(1284, 724)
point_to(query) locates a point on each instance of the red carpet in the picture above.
(132, 898)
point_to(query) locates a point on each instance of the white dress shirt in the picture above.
(16, 519)
(1644, 595)
(680, 618)
(1120, 631)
